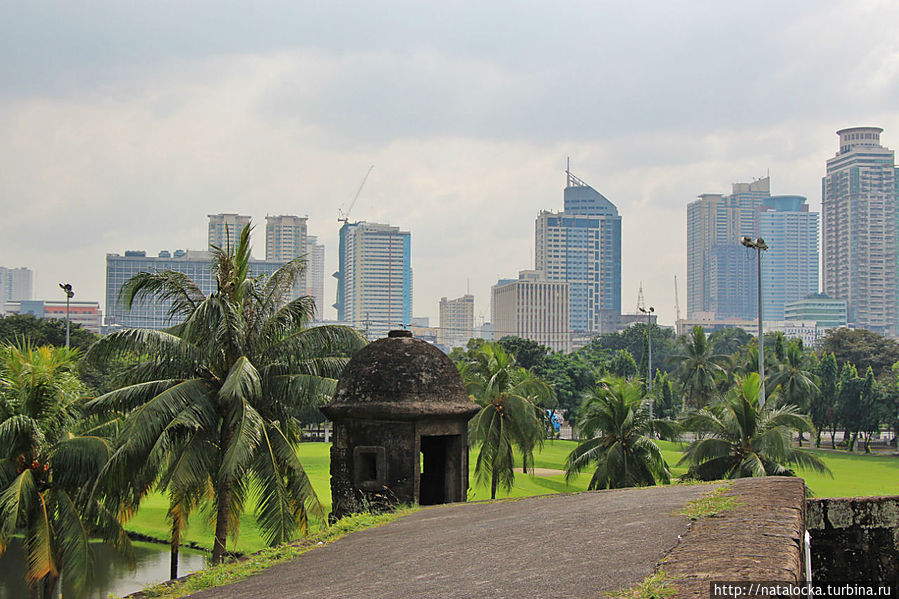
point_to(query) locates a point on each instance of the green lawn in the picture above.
(854, 475)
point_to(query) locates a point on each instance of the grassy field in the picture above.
(853, 475)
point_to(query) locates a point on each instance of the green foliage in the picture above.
(623, 365)
(667, 404)
(618, 428)
(698, 369)
(823, 404)
(43, 331)
(658, 585)
(711, 504)
(729, 341)
(570, 376)
(49, 458)
(739, 439)
(528, 354)
(862, 349)
(794, 379)
(210, 411)
(512, 413)
(632, 339)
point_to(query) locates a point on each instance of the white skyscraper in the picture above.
(16, 284)
(285, 237)
(225, 229)
(315, 274)
(456, 321)
(374, 282)
(859, 234)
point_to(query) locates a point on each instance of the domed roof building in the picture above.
(400, 417)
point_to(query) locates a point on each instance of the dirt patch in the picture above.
(540, 471)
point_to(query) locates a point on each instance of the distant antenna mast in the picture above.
(676, 302)
(572, 180)
(345, 216)
(641, 304)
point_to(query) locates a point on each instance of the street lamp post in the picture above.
(67, 288)
(649, 360)
(759, 246)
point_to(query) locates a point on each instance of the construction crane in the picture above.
(345, 216)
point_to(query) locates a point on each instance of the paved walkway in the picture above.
(577, 545)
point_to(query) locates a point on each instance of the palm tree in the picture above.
(698, 368)
(615, 419)
(511, 415)
(740, 440)
(795, 381)
(48, 459)
(211, 404)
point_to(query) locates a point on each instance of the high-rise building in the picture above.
(859, 231)
(582, 246)
(534, 308)
(225, 229)
(315, 274)
(16, 284)
(456, 321)
(374, 280)
(153, 313)
(285, 237)
(721, 273)
(790, 264)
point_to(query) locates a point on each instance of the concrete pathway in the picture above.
(579, 545)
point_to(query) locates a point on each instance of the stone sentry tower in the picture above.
(400, 417)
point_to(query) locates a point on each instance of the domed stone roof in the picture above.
(400, 377)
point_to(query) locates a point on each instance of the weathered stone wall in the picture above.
(760, 538)
(854, 539)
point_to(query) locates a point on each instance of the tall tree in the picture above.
(43, 331)
(666, 403)
(728, 341)
(213, 402)
(618, 428)
(739, 439)
(623, 365)
(512, 414)
(795, 380)
(698, 368)
(862, 348)
(849, 404)
(528, 353)
(49, 460)
(826, 397)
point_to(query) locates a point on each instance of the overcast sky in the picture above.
(123, 124)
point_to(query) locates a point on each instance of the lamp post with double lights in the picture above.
(759, 246)
(67, 288)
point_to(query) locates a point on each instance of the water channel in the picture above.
(111, 572)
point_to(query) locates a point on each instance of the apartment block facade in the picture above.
(535, 308)
(456, 321)
(859, 229)
(374, 280)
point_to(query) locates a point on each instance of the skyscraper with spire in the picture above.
(582, 246)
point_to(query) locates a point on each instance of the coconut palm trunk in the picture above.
(223, 507)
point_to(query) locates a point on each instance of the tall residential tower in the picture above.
(859, 212)
(225, 229)
(374, 280)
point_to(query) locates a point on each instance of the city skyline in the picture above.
(125, 126)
